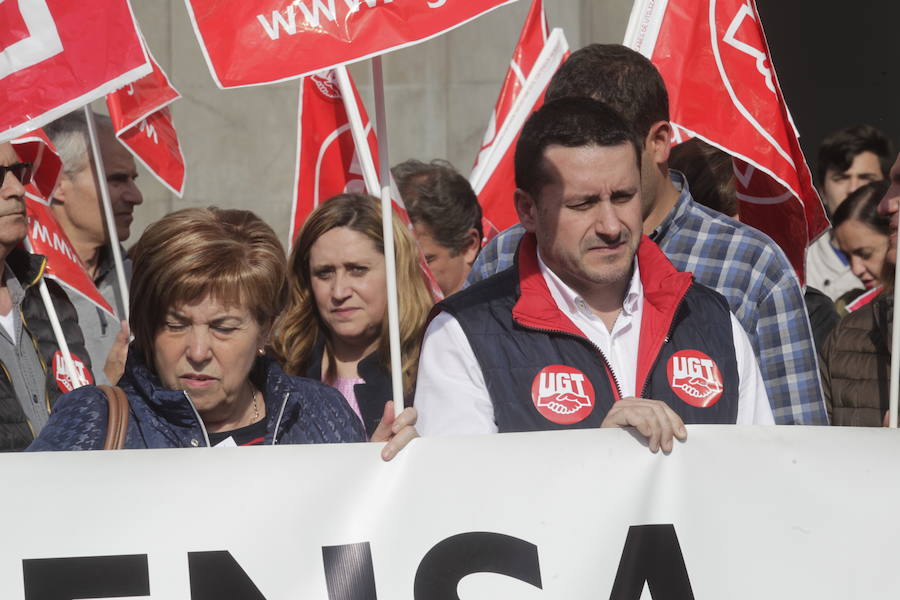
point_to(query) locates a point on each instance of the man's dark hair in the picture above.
(838, 150)
(618, 76)
(710, 172)
(571, 122)
(437, 196)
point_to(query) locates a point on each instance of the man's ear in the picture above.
(526, 208)
(473, 246)
(658, 142)
(61, 191)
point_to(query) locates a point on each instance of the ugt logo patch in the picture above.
(562, 394)
(695, 378)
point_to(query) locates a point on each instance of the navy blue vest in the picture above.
(539, 372)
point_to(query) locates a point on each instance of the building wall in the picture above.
(240, 144)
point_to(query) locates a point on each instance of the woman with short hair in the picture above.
(206, 287)
(335, 326)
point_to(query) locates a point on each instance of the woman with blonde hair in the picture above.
(335, 326)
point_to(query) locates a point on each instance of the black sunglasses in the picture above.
(22, 171)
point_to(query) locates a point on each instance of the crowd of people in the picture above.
(629, 295)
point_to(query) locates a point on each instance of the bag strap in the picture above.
(117, 427)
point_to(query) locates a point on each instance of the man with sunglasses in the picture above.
(31, 372)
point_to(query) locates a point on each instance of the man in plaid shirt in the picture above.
(736, 260)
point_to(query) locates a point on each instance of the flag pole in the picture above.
(358, 131)
(107, 210)
(390, 262)
(55, 325)
(895, 354)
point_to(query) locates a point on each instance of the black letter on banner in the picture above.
(216, 575)
(452, 559)
(86, 577)
(652, 554)
(349, 573)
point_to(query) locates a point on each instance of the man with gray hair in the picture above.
(77, 206)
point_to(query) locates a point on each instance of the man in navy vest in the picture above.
(592, 320)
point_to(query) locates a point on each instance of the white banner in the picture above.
(735, 512)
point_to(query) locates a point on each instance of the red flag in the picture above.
(57, 55)
(327, 161)
(143, 123)
(35, 147)
(722, 87)
(255, 41)
(494, 177)
(46, 237)
(531, 42)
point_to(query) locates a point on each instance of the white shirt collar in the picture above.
(569, 301)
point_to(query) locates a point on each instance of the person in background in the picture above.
(856, 360)
(208, 284)
(446, 218)
(711, 173)
(31, 371)
(77, 206)
(848, 159)
(736, 260)
(335, 327)
(863, 235)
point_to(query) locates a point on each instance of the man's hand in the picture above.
(396, 432)
(653, 419)
(115, 360)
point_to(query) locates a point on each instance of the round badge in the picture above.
(63, 381)
(562, 394)
(695, 378)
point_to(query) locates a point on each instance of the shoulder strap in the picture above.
(117, 428)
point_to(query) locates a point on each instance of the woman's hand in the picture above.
(115, 360)
(396, 432)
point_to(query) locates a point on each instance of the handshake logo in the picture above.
(695, 378)
(562, 394)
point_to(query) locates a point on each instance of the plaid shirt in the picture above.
(753, 274)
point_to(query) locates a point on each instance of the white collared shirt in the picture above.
(452, 398)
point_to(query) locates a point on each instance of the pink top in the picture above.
(345, 386)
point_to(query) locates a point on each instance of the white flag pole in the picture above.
(107, 209)
(358, 131)
(895, 353)
(74, 375)
(390, 262)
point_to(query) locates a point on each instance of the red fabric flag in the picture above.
(722, 87)
(327, 161)
(35, 147)
(143, 123)
(57, 55)
(255, 42)
(494, 177)
(46, 237)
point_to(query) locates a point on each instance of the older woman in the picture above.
(335, 326)
(206, 287)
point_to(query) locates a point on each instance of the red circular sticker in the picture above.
(562, 394)
(63, 379)
(695, 378)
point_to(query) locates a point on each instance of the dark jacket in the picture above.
(543, 373)
(856, 364)
(298, 411)
(15, 430)
(372, 395)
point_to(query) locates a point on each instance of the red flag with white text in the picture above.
(493, 178)
(143, 123)
(46, 237)
(723, 88)
(58, 55)
(259, 41)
